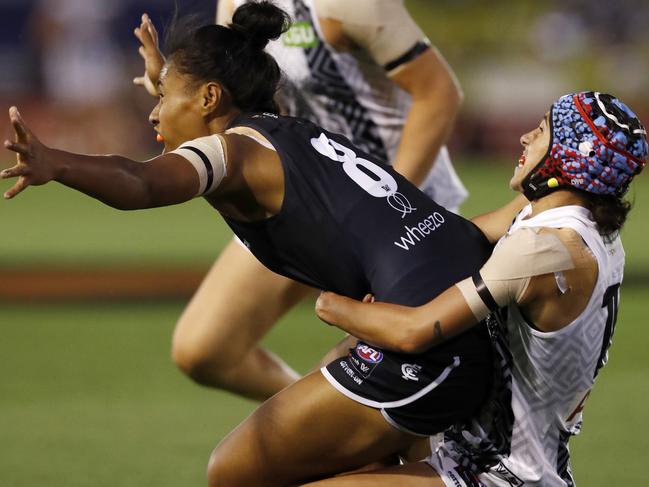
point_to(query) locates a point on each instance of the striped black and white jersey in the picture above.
(549, 374)
(351, 94)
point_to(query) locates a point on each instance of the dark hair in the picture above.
(234, 55)
(609, 213)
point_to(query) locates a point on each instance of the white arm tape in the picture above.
(473, 299)
(207, 156)
(516, 259)
(383, 28)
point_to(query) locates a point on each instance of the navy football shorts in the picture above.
(422, 394)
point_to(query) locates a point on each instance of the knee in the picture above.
(206, 366)
(216, 467)
(222, 470)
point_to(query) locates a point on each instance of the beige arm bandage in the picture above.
(383, 28)
(207, 155)
(516, 259)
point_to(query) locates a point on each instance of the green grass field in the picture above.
(89, 395)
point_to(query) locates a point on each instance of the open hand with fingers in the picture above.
(32, 167)
(150, 52)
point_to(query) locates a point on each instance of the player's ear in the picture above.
(213, 98)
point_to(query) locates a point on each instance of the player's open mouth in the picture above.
(521, 160)
(159, 138)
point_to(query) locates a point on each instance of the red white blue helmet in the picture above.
(597, 145)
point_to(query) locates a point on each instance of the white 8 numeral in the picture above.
(381, 186)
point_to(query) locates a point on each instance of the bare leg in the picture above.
(411, 475)
(307, 431)
(340, 350)
(216, 339)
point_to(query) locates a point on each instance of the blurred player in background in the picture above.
(557, 271)
(362, 69)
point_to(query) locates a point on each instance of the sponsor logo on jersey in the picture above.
(301, 34)
(507, 475)
(350, 372)
(265, 115)
(417, 233)
(410, 372)
(400, 203)
(462, 478)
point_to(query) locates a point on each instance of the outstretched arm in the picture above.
(400, 328)
(117, 181)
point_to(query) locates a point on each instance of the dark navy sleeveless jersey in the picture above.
(352, 225)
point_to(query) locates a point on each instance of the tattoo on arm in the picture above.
(437, 331)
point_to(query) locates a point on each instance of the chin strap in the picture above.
(534, 189)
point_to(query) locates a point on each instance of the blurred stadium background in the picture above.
(89, 295)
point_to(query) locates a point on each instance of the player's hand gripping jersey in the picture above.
(351, 224)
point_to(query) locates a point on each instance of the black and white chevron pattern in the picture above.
(327, 80)
(483, 443)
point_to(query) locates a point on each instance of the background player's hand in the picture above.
(150, 52)
(32, 167)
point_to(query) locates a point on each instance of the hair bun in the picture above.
(260, 22)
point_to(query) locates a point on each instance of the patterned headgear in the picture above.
(597, 145)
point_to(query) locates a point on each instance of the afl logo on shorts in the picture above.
(368, 354)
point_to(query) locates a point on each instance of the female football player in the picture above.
(311, 206)
(366, 71)
(558, 271)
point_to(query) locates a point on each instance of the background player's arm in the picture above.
(436, 101)
(117, 181)
(224, 11)
(393, 40)
(400, 328)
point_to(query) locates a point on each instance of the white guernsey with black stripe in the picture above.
(207, 156)
(548, 375)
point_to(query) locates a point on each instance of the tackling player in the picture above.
(365, 70)
(557, 272)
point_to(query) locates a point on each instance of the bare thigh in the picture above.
(305, 432)
(237, 303)
(410, 475)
